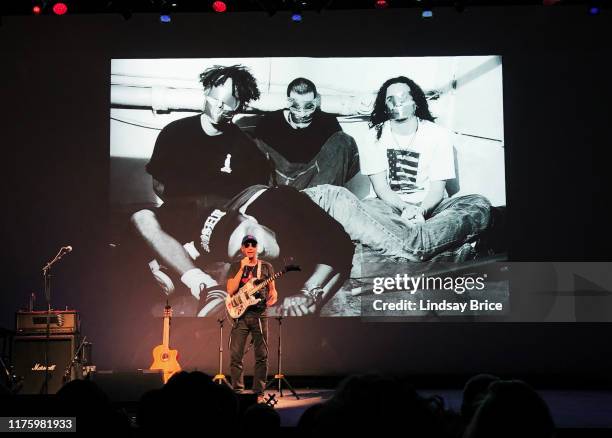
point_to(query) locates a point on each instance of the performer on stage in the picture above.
(253, 321)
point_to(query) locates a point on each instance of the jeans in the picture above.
(258, 328)
(454, 222)
(336, 163)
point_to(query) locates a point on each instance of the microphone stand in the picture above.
(279, 376)
(47, 284)
(220, 377)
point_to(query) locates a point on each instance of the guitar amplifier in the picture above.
(35, 323)
(29, 361)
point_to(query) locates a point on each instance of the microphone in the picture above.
(62, 252)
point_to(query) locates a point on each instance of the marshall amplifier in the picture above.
(29, 361)
(35, 323)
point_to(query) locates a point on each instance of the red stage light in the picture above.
(60, 8)
(219, 6)
(381, 4)
(36, 10)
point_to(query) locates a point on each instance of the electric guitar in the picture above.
(244, 297)
(163, 358)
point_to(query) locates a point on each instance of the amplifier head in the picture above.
(60, 321)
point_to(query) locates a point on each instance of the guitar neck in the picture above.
(266, 282)
(274, 277)
(166, 333)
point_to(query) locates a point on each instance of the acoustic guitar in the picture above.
(164, 358)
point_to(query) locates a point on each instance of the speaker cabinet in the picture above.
(29, 361)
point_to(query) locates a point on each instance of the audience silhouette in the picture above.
(490, 408)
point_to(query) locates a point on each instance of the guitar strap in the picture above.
(265, 341)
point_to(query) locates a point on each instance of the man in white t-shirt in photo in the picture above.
(409, 162)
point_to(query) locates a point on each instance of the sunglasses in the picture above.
(216, 103)
(248, 244)
(306, 108)
(395, 101)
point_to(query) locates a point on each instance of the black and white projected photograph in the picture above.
(328, 215)
(346, 175)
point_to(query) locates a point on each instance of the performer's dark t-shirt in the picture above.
(296, 145)
(251, 272)
(192, 164)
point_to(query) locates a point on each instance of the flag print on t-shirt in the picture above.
(403, 167)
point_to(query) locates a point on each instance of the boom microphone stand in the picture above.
(279, 376)
(47, 281)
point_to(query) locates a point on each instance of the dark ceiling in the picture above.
(24, 7)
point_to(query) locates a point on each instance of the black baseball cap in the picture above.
(249, 238)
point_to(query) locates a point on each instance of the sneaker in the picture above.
(214, 303)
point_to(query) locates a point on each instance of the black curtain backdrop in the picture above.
(55, 146)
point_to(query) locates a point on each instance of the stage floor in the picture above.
(570, 409)
(291, 409)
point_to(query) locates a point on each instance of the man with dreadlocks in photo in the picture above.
(200, 162)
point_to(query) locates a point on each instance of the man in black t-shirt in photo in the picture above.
(201, 161)
(307, 145)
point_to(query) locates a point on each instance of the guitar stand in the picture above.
(279, 376)
(220, 377)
